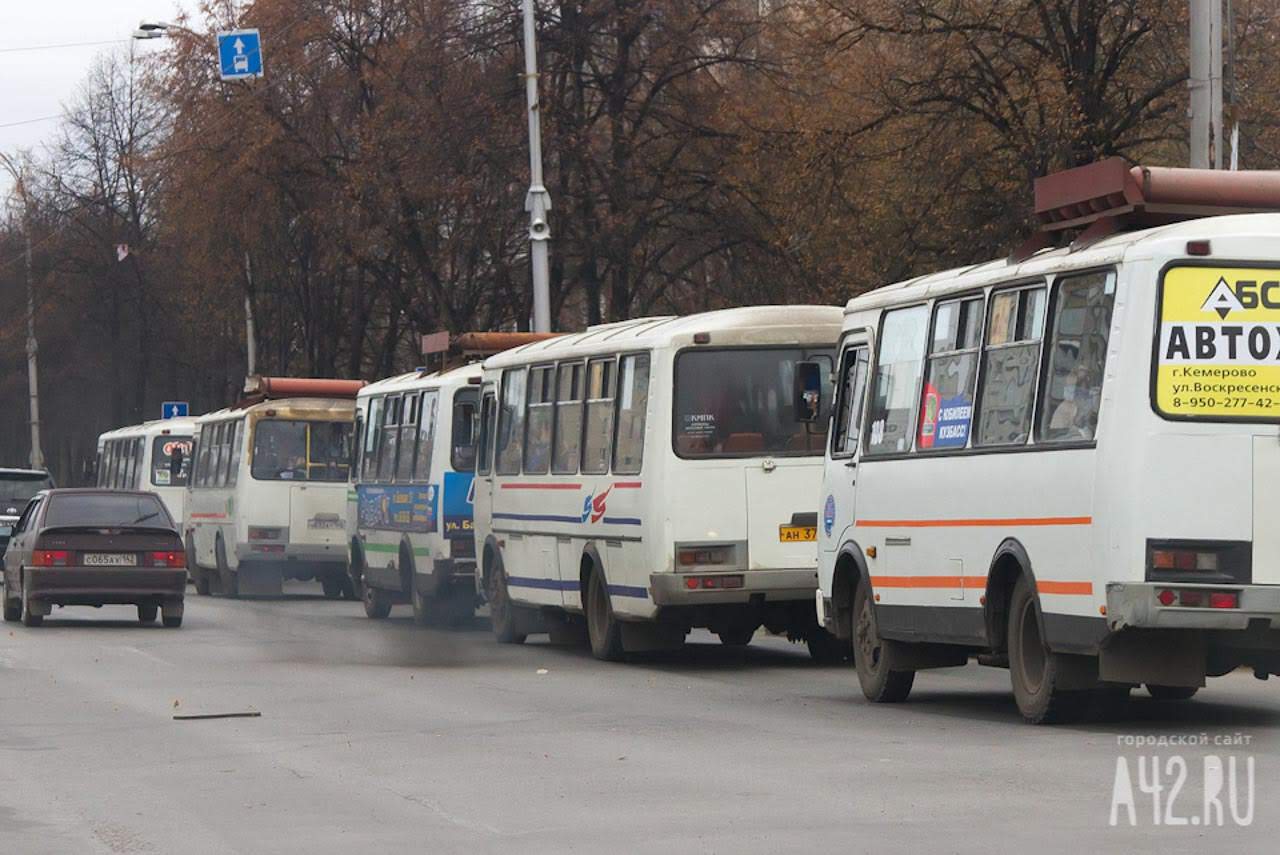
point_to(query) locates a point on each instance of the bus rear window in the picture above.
(170, 461)
(292, 450)
(740, 403)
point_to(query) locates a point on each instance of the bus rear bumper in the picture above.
(1137, 605)
(321, 553)
(674, 589)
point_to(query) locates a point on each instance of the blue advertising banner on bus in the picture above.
(457, 504)
(407, 507)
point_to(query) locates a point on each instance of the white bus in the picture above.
(409, 507)
(651, 476)
(154, 456)
(267, 495)
(1066, 463)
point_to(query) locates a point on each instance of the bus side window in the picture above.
(537, 443)
(1011, 367)
(484, 461)
(390, 438)
(369, 453)
(853, 389)
(409, 443)
(426, 435)
(202, 458)
(568, 419)
(946, 406)
(633, 404)
(462, 454)
(897, 376)
(1077, 357)
(237, 440)
(511, 422)
(599, 417)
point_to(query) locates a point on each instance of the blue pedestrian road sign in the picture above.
(174, 410)
(240, 54)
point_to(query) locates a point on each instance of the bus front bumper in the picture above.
(677, 589)
(1137, 605)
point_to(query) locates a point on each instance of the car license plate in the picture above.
(110, 559)
(797, 533)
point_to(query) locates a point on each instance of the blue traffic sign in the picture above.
(240, 54)
(174, 410)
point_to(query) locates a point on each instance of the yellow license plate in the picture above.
(797, 533)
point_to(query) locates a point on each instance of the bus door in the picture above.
(835, 515)
(482, 484)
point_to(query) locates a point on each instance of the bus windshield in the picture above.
(293, 450)
(170, 453)
(740, 403)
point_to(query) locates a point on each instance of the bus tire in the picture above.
(228, 581)
(603, 629)
(873, 656)
(331, 584)
(199, 576)
(1171, 693)
(1033, 668)
(355, 571)
(377, 603)
(503, 614)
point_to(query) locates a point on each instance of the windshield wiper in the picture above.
(145, 517)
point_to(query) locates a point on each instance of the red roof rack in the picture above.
(470, 346)
(258, 388)
(1111, 196)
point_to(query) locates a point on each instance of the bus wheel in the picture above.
(603, 628)
(377, 605)
(1033, 668)
(1171, 693)
(503, 614)
(198, 575)
(873, 656)
(228, 581)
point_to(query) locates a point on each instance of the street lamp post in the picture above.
(33, 374)
(538, 202)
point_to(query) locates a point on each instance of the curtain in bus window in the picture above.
(853, 389)
(946, 406)
(1011, 367)
(426, 435)
(511, 422)
(390, 439)
(408, 439)
(464, 430)
(1077, 357)
(599, 417)
(568, 418)
(537, 443)
(633, 403)
(893, 403)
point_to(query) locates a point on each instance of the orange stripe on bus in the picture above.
(971, 523)
(1078, 588)
(974, 583)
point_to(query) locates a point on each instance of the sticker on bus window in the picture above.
(1219, 343)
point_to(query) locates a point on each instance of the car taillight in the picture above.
(50, 558)
(168, 559)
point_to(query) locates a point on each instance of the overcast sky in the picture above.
(34, 84)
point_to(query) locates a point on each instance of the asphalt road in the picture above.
(383, 737)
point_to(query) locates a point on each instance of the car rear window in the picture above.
(19, 488)
(106, 510)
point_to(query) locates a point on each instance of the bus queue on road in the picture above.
(1063, 463)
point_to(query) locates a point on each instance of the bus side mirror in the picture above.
(808, 392)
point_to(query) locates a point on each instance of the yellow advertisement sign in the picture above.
(1219, 345)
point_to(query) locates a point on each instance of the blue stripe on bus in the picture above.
(621, 521)
(538, 518)
(571, 585)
